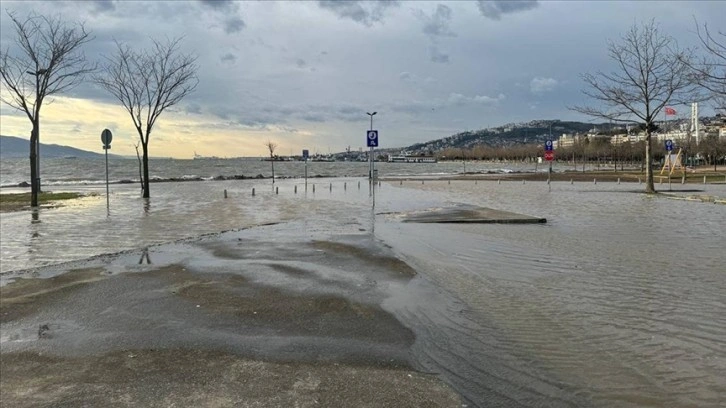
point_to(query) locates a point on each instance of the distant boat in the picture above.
(200, 157)
(411, 159)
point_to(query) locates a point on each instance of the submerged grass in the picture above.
(21, 201)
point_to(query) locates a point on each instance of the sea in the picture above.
(618, 300)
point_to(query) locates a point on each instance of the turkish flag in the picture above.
(670, 111)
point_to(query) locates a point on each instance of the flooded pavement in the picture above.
(618, 300)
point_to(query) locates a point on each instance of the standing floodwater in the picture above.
(618, 300)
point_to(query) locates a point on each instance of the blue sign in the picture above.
(669, 145)
(306, 154)
(548, 146)
(372, 138)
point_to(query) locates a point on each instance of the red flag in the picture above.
(669, 111)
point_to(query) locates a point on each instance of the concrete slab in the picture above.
(471, 214)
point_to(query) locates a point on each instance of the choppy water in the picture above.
(619, 300)
(61, 172)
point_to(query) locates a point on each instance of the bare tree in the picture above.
(652, 72)
(146, 83)
(711, 69)
(271, 146)
(47, 60)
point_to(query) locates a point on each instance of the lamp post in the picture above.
(35, 183)
(370, 155)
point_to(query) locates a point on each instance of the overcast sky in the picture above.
(304, 74)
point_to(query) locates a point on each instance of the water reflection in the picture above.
(147, 205)
(145, 256)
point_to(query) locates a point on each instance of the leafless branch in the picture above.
(49, 52)
(651, 73)
(148, 82)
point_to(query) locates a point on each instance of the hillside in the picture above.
(536, 131)
(15, 147)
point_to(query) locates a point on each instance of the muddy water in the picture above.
(619, 300)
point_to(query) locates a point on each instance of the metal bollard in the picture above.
(704, 179)
(422, 181)
(313, 188)
(331, 186)
(499, 181)
(295, 189)
(253, 191)
(400, 183)
(594, 181)
(277, 190)
(476, 182)
(359, 185)
(345, 186)
(618, 180)
(225, 193)
(523, 182)
(572, 181)
(449, 181)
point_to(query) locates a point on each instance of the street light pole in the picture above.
(370, 155)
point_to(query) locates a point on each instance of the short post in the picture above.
(422, 181)
(572, 181)
(253, 191)
(400, 182)
(345, 185)
(449, 181)
(277, 190)
(618, 180)
(359, 185)
(225, 193)
(499, 181)
(313, 188)
(523, 182)
(331, 186)
(594, 181)
(704, 179)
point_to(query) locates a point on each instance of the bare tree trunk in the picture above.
(33, 168)
(649, 187)
(145, 158)
(138, 157)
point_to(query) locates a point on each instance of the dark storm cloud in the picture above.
(228, 58)
(102, 6)
(233, 25)
(438, 56)
(365, 13)
(438, 24)
(193, 108)
(494, 9)
(217, 4)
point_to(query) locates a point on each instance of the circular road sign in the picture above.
(106, 137)
(549, 155)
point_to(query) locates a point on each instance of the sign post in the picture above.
(305, 155)
(372, 141)
(106, 137)
(549, 156)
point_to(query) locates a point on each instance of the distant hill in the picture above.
(14, 147)
(534, 132)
